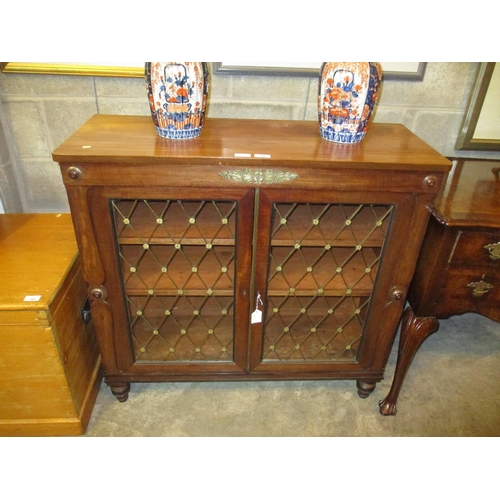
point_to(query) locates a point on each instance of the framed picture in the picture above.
(79, 69)
(480, 128)
(403, 71)
(391, 70)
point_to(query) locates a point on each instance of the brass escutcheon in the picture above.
(494, 249)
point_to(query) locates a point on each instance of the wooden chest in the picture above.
(49, 360)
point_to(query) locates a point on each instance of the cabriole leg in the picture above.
(414, 330)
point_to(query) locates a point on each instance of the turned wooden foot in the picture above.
(120, 391)
(365, 388)
(414, 330)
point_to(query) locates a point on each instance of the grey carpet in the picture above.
(451, 390)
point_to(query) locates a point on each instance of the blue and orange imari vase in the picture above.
(177, 93)
(347, 95)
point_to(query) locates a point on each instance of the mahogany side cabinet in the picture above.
(255, 251)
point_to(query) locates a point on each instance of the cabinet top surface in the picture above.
(470, 195)
(133, 139)
(36, 251)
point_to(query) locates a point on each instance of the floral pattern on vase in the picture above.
(347, 95)
(177, 93)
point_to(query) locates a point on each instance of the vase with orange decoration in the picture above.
(177, 93)
(347, 95)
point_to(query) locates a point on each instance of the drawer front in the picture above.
(477, 248)
(471, 291)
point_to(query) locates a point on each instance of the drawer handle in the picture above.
(481, 287)
(494, 249)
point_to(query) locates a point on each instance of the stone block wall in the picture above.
(38, 112)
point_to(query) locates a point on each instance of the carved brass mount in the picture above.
(258, 176)
(494, 249)
(479, 288)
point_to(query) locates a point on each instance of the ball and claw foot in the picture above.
(387, 408)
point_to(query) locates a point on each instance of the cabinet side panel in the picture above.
(426, 286)
(407, 232)
(93, 272)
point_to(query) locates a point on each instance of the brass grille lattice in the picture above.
(178, 267)
(324, 260)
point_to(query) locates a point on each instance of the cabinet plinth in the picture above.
(281, 264)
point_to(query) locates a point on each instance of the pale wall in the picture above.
(38, 112)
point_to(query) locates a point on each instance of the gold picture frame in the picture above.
(397, 71)
(131, 70)
(400, 71)
(480, 129)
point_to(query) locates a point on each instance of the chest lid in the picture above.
(36, 252)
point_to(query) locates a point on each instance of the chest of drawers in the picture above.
(458, 270)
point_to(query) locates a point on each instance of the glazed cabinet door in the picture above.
(325, 271)
(177, 278)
